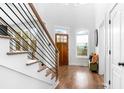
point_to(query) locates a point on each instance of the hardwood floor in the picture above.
(77, 77)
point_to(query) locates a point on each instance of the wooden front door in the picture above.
(62, 45)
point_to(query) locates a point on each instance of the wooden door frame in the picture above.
(67, 43)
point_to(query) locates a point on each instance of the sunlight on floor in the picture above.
(81, 78)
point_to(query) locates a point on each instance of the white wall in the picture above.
(102, 14)
(85, 20)
(74, 17)
(101, 46)
(13, 80)
(102, 11)
(13, 70)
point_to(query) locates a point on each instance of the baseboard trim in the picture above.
(78, 65)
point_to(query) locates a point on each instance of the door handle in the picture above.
(121, 64)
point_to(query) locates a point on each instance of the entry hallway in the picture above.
(79, 77)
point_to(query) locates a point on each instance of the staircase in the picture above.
(29, 57)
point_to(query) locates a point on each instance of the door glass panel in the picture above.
(65, 39)
(61, 38)
(58, 38)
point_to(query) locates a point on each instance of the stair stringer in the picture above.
(18, 63)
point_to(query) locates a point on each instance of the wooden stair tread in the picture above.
(51, 72)
(32, 62)
(17, 52)
(6, 37)
(41, 68)
(48, 73)
(53, 76)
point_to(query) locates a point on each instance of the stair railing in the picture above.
(29, 33)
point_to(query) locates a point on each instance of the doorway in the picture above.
(61, 41)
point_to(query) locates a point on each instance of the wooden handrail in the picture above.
(42, 24)
(47, 33)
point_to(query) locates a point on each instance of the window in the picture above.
(82, 44)
(62, 38)
(61, 31)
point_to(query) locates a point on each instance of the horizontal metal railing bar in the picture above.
(11, 47)
(35, 58)
(39, 31)
(49, 47)
(11, 35)
(42, 24)
(24, 47)
(22, 38)
(36, 34)
(28, 37)
(26, 34)
(38, 27)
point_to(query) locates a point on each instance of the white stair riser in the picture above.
(18, 63)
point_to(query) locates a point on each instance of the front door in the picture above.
(117, 47)
(62, 45)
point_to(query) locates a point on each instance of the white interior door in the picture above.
(117, 45)
(122, 46)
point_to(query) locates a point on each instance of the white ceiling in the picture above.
(72, 15)
(76, 16)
